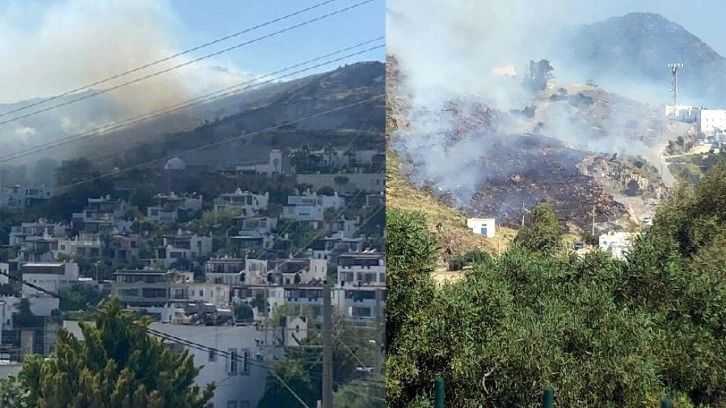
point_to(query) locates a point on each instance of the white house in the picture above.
(617, 243)
(482, 226)
(40, 228)
(256, 271)
(362, 269)
(361, 276)
(224, 270)
(682, 113)
(311, 207)
(20, 197)
(232, 357)
(85, 245)
(248, 203)
(184, 246)
(169, 206)
(51, 276)
(711, 121)
(360, 303)
(275, 165)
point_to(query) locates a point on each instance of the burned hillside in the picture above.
(528, 169)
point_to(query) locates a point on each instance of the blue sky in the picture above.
(201, 21)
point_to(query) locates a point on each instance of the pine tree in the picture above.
(117, 365)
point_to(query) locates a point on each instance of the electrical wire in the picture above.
(163, 71)
(170, 57)
(189, 103)
(166, 336)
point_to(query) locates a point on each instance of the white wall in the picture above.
(4, 269)
(243, 387)
(50, 282)
(711, 119)
(477, 224)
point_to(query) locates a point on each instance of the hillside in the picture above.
(637, 47)
(274, 106)
(447, 224)
(213, 128)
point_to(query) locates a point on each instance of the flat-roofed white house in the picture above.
(482, 226)
(239, 368)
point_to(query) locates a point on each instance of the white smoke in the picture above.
(448, 50)
(47, 50)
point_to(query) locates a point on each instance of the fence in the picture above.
(548, 396)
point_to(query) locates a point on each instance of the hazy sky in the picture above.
(49, 46)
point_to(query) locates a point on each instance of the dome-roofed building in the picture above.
(175, 163)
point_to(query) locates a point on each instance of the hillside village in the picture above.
(253, 258)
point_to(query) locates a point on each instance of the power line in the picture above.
(191, 102)
(228, 140)
(157, 73)
(166, 336)
(170, 57)
(344, 208)
(181, 340)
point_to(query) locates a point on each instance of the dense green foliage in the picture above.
(117, 365)
(602, 332)
(543, 234)
(302, 371)
(361, 394)
(468, 259)
(79, 297)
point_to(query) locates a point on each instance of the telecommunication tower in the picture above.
(674, 82)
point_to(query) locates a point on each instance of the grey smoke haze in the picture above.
(49, 49)
(449, 49)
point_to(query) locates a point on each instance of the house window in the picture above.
(232, 361)
(231, 404)
(212, 355)
(245, 362)
(244, 404)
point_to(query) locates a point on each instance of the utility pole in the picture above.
(327, 348)
(379, 343)
(593, 220)
(266, 305)
(524, 210)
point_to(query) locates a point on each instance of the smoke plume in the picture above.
(479, 50)
(48, 48)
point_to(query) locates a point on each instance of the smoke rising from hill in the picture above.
(446, 51)
(48, 48)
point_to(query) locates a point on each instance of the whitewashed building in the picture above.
(277, 164)
(237, 362)
(482, 226)
(311, 207)
(168, 207)
(50, 276)
(616, 243)
(360, 277)
(20, 197)
(246, 202)
(711, 121)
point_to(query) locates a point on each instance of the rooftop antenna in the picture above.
(674, 82)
